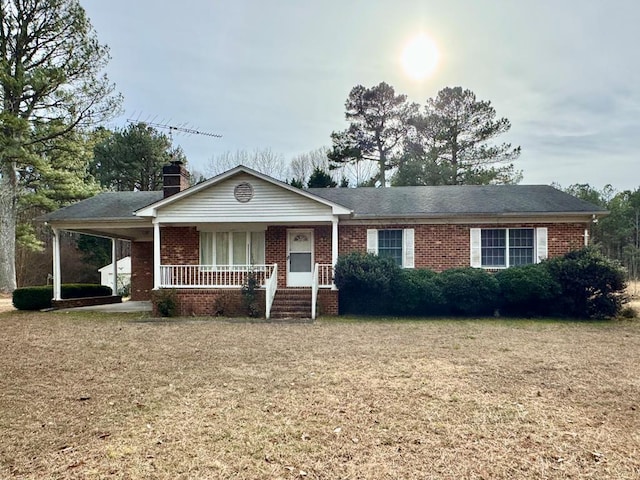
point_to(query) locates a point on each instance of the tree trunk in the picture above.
(8, 217)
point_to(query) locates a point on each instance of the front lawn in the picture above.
(93, 396)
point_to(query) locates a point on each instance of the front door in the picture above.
(299, 257)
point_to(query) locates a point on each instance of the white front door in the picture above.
(299, 257)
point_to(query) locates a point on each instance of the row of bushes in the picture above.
(581, 284)
(37, 298)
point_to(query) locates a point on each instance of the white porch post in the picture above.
(114, 263)
(334, 243)
(57, 290)
(156, 254)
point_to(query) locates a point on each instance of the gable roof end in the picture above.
(151, 210)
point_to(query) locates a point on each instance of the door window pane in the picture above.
(300, 262)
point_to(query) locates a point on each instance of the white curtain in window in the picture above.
(257, 248)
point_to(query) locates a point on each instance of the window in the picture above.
(232, 248)
(392, 243)
(506, 247)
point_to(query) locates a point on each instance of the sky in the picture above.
(276, 74)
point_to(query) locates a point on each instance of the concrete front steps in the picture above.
(292, 303)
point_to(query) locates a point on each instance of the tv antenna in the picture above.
(176, 128)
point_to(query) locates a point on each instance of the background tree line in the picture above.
(618, 234)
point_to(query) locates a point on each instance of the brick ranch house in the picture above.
(202, 241)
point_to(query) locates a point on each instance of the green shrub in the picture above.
(592, 285)
(39, 297)
(469, 291)
(527, 290)
(364, 282)
(417, 292)
(33, 298)
(249, 294)
(166, 301)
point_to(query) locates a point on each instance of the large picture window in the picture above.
(232, 248)
(507, 247)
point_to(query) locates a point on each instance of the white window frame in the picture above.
(408, 244)
(540, 248)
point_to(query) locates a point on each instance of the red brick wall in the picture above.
(141, 270)
(440, 247)
(225, 302)
(179, 246)
(327, 302)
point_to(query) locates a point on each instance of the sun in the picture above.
(420, 57)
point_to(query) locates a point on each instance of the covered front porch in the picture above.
(205, 262)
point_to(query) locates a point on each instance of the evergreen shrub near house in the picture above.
(592, 286)
(469, 291)
(527, 290)
(418, 293)
(365, 283)
(39, 297)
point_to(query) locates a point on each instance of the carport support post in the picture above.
(114, 264)
(56, 265)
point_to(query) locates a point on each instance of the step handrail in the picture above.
(271, 286)
(314, 290)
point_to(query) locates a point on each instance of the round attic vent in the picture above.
(243, 192)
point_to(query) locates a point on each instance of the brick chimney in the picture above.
(175, 178)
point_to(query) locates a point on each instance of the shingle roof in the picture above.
(456, 200)
(106, 206)
(405, 202)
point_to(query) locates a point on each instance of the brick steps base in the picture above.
(292, 303)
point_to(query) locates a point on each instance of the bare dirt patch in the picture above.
(98, 396)
(6, 303)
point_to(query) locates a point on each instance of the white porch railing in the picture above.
(322, 276)
(325, 275)
(212, 276)
(271, 287)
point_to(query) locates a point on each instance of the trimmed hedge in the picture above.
(580, 284)
(364, 281)
(417, 292)
(39, 297)
(527, 290)
(469, 291)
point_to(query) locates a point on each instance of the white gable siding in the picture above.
(269, 202)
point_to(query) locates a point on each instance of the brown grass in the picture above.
(96, 396)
